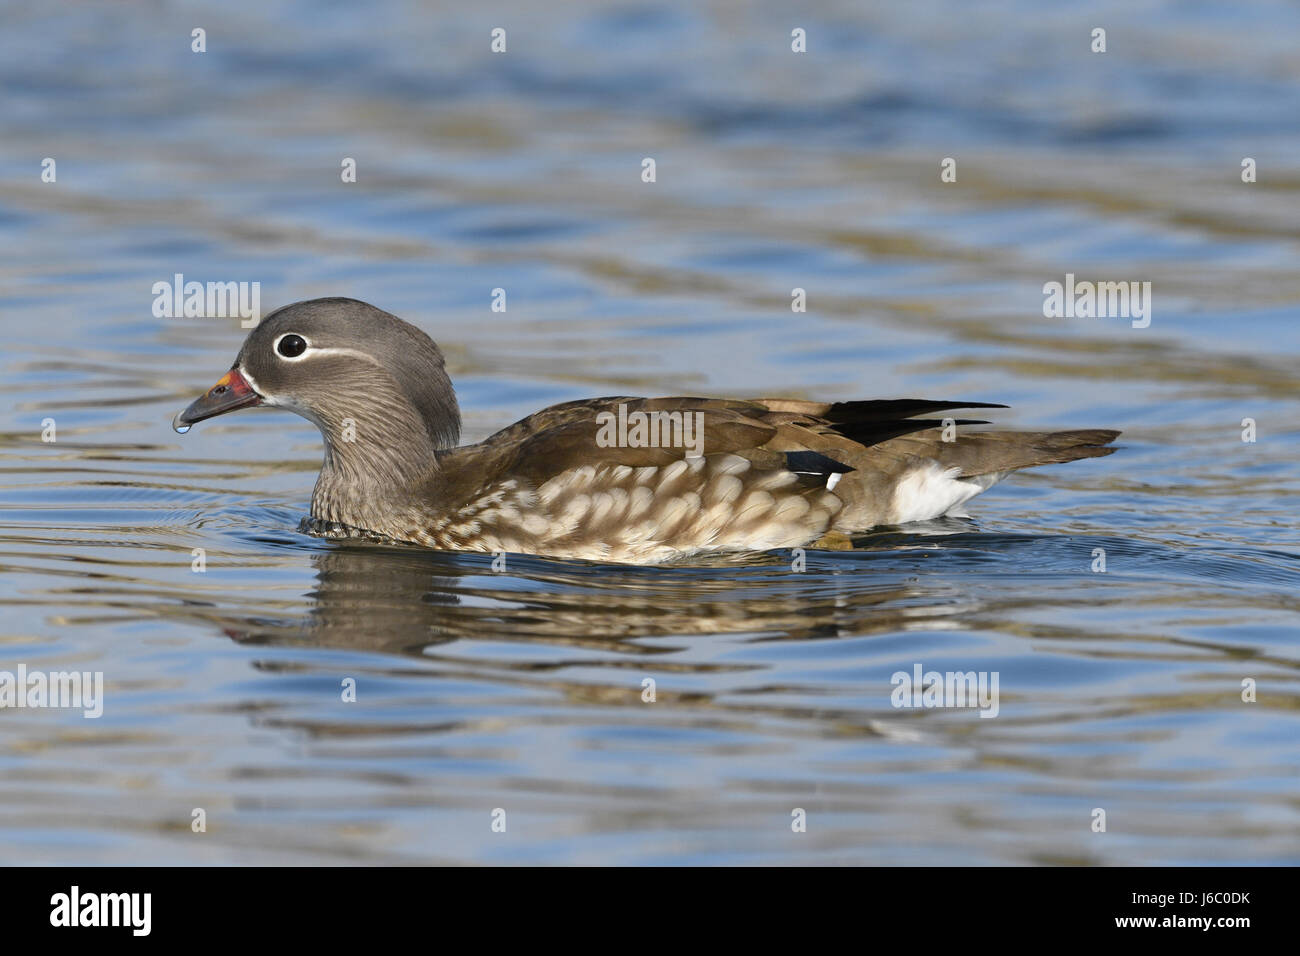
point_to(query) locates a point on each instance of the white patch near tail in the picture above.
(932, 491)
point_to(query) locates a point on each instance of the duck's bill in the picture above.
(230, 393)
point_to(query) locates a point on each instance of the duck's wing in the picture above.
(588, 432)
(587, 412)
(766, 431)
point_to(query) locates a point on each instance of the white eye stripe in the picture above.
(312, 350)
(354, 353)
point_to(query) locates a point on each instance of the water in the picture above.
(521, 689)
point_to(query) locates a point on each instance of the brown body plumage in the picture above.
(763, 474)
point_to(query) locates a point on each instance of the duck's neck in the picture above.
(375, 468)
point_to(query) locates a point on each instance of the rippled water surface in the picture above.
(521, 689)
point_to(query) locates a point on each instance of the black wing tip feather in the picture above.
(975, 405)
(879, 408)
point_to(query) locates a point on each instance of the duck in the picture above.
(620, 479)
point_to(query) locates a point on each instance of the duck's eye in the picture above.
(291, 346)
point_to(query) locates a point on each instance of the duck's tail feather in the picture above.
(986, 453)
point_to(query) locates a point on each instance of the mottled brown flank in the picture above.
(637, 515)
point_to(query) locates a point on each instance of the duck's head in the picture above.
(361, 375)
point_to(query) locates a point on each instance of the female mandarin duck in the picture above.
(572, 481)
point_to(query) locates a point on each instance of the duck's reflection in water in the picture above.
(402, 600)
(587, 634)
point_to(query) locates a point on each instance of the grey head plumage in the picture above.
(356, 357)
